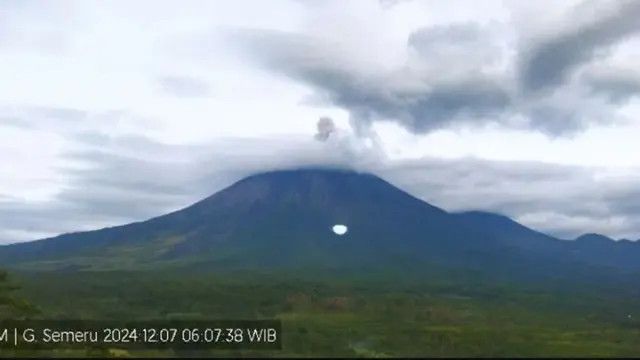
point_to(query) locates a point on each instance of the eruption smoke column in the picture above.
(326, 127)
(361, 149)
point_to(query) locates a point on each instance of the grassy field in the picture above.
(366, 316)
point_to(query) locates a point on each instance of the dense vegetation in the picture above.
(356, 315)
(12, 306)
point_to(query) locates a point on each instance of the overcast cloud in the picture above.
(121, 111)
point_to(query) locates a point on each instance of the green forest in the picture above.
(353, 315)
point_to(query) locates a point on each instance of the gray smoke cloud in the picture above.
(326, 127)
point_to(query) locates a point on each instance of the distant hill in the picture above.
(283, 220)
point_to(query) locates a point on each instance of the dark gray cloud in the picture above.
(472, 98)
(464, 73)
(184, 86)
(420, 100)
(549, 61)
(555, 120)
(617, 85)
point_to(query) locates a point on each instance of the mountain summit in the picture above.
(284, 219)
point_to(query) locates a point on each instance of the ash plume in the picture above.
(326, 127)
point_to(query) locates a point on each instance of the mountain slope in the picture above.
(283, 219)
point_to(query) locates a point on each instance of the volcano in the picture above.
(285, 220)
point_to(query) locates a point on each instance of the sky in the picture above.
(119, 111)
